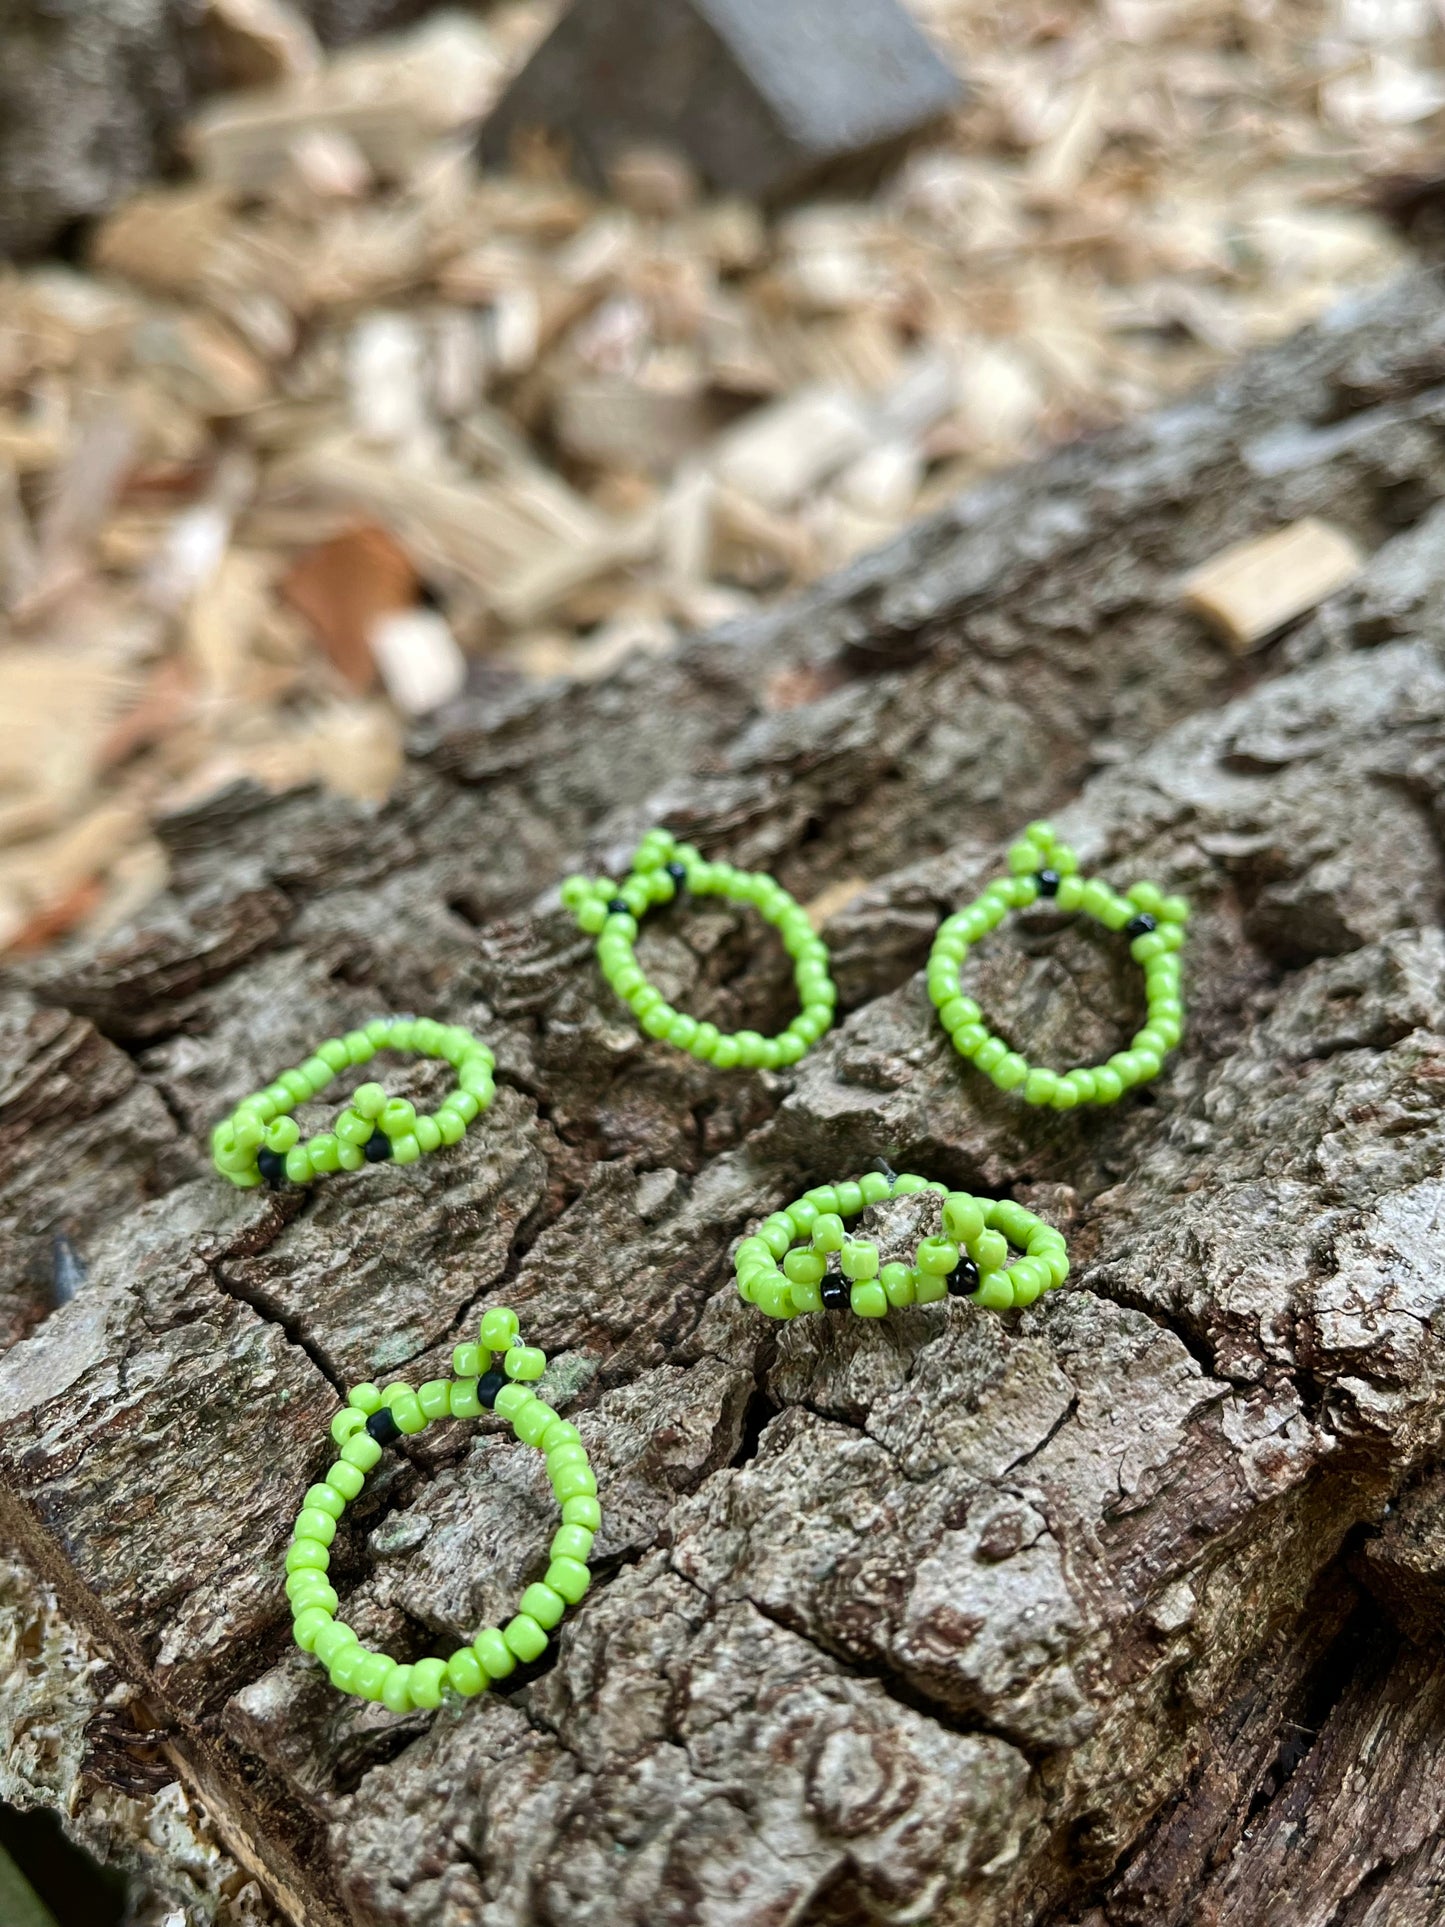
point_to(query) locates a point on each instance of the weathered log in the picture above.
(1079, 1615)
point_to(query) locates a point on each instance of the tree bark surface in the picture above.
(1119, 1612)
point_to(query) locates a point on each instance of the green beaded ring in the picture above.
(784, 1268)
(369, 1421)
(1041, 866)
(261, 1143)
(661, 869)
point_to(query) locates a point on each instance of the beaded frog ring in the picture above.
(783, 1268)
(371, 1420)
(261, 1143)
(1041, 866)
(661, 870)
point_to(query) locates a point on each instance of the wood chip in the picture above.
(419, 660)
(345, 587)
(1253, 589)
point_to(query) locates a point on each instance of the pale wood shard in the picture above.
(1254, 588)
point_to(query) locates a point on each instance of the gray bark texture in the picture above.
(93, 93)
(1119, 1612)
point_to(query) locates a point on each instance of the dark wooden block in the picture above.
(764, 97)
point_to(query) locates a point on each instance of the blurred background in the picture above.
(308, 424)
(327, 399)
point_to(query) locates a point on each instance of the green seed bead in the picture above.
(804, 1296)
(307, 1555)
(368, 1101)
(309, 1623)
(1108, 1085)
(995, 1291)
(498, 1328)
(850, 1200)
(331, 1640)
(990, 1055)
(828, 1232)
(937, 1255)
(469, 1361)
(298, 1165)
(571, 1542)
(428, 1134)
(512, 1400)
(311, 1523)
(544, 1605)
(1066, 1095)
(396, 1693)
(582, 1509)
(963, 1217)
(776, 1233)
(345, 1479)
(989, 1251)
(397, 1118)
(1144, 949)
(408, 1413)
(352, 1128)
(560, 1432)
(823, 1200)
(308, 1588)
(1024, 858)
(1147, 897)
(1041, 1087)
(1010, 1071)
(465, 1673)
(362, 1451)
(449, 1126)
(1174, 909)
(531, 1422)
(496, 1656)
(461, 1104)
(1028, 1278)
(524, 1362)
(929, 1286)
(283, 1135)
(296, 1084)
(428, 1677)
(464, 1399)
(805, 1267)
(897, 1282)
(569, 1452)
(434, 1399)
(875, 1187)
(525, 1637)
(1125, 1066)
(371, 1676)
(859, 1261)
(346, 1423)
(566, 1576)
(869, 1300)
(1149, 1063)
(575, 1481)
(346, 1669)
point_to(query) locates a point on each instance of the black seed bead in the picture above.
(378, 1147)
(678, 873)
(488, 1385)
(963, 1282)
(617, 908)
(272, 1167)
(835, 1294)
(1141, 925)
(383, 1427)
(1048, 882)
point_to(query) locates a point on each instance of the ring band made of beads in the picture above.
(260, 1142)
(784, 1269)
(1041, 867)
(661, 870)
(372, 1420)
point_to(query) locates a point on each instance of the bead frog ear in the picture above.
(1042, 867)
(662, 871)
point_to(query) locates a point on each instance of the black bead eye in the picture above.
(272, 1167)
(1141, 925)
(378, 1147)
(488, 1385)
(835, 1294)
(678, 873)
(963, 1282)
(383, 1427)
(617, 908)
(1048, 882)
